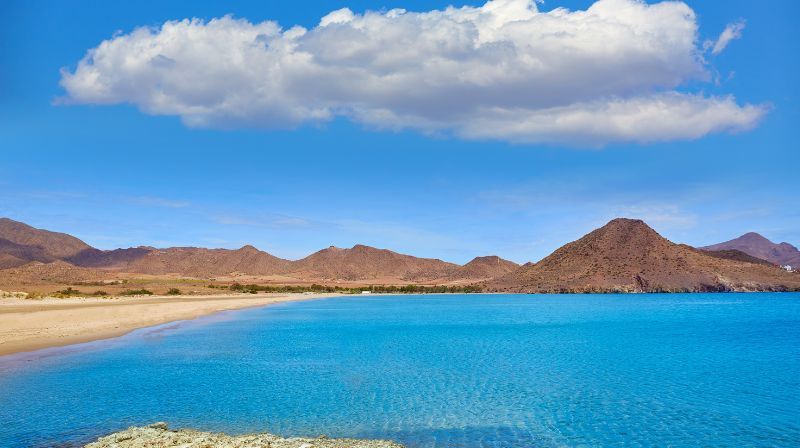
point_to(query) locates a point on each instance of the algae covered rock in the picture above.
(158, 435)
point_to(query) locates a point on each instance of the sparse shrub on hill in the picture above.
(69, 292)
(174, 292)
(136, 292)
(14, 294)
(99, 283)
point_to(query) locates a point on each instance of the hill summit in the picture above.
(627, 255)
(758, 246)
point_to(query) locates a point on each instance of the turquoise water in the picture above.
(437, 371)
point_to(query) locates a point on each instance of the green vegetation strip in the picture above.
(405, 289)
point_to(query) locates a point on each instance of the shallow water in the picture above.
(437, 371)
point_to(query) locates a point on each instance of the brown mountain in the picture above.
(624, 255)
(186, 261)
(194, 261)
(733, 254)
(40, 242)
(56, 272)
(13, 254)
(756, 245)
(627, 255)
(10, 261)
(368, 263)
(484, 268)
(117, 259)
(21, 244)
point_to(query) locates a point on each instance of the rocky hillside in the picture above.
(56, 272)
(30, 244)
(21, 244)
(627, 255)
(117, 259)
(13, 254)
(186, 261)
(732, 254)
(365, 263)
(624, 255)
(484, 268)
(757, 246)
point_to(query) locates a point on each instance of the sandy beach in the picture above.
(27, 325)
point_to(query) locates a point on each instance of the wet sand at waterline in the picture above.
(27, 325)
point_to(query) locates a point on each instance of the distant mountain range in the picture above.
(624, 255)
(21, 244)
(760, 247)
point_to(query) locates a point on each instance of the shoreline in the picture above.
(31, 325)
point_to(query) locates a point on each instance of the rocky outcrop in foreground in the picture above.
(158, 435)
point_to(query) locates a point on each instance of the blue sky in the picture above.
(117, 176)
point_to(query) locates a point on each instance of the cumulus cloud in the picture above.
(731, 32)
(503, 71)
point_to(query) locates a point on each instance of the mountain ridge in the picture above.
(358, 263)
(53, 244)
(626, 255)
(756, 245)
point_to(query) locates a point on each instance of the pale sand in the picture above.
(27, 325)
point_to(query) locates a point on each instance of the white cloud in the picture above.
(731, 32)
(502, 71)
(650, 118)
